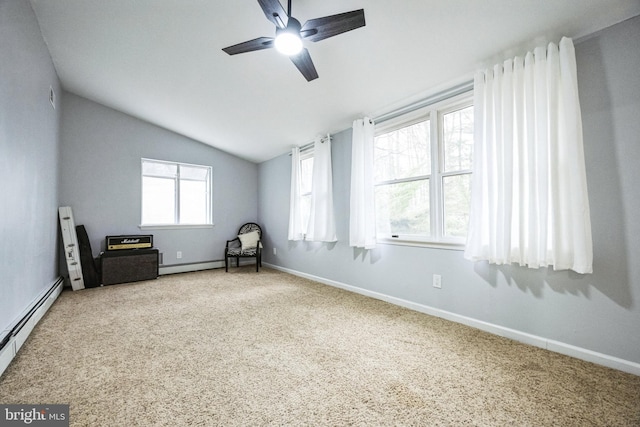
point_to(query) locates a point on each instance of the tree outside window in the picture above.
(422, 171)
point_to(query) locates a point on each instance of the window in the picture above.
(306, 179)
(422, 173)
(175, 194)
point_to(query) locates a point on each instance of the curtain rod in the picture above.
(310, 145)
(437, 97)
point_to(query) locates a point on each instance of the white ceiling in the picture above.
(161, 60)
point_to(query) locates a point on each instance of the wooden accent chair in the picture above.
(248, 244)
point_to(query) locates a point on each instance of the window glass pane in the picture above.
(193, 202)
(403, 208)
(306, 175)
(168, 170)
(158, 200)
(403, 153)
(457, 199)
(458, 139)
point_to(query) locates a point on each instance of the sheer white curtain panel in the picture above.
(296, 227)
(362, 221)
(322, 225)
(529, 202)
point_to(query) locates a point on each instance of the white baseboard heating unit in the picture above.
(12, 339)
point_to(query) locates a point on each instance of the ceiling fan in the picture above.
(289, 34)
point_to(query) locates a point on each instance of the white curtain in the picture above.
(322, 225)
(529, 202)
(362, 221)
(296, 227)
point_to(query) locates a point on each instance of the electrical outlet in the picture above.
(274, 251)
(437, 281)
(179, 254)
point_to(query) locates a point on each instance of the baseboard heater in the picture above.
(197, 266)
(16, 336)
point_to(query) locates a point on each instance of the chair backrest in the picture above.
(249, 227)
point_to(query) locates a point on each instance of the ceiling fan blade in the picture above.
(304, 63)
(274, 12)
(249, 46)
(329, 26)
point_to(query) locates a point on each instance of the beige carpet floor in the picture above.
(216, 349)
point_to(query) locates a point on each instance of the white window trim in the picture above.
(174, 226)
(434, 113)
(210, 224)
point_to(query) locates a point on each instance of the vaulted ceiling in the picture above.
(162, 60)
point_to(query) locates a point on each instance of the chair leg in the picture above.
(257, 263)
(237, 261)
(226, 263)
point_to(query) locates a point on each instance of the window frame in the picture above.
(178, 225)
(434, 113)
(306, 153)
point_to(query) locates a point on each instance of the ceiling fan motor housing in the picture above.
(293, 26)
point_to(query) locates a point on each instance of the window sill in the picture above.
(174, 226)
(454, 246)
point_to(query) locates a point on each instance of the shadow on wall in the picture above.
(611, 254)
(533, 281)
(527, 279)
(311, 246)
(375, 254)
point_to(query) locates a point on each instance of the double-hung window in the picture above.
(306, 179)
(175, 194)
(422, 173)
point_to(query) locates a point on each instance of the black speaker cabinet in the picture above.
(129, 266)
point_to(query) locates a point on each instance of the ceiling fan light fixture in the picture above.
(288, 40)
(288, 43)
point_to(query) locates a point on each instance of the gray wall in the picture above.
(598, 312)
(100, 180)
(28, 162)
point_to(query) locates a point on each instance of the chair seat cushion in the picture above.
(241, 252)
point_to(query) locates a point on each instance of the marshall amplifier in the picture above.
(135, 241)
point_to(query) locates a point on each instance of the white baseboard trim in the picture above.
(28, 320)
(534, 340)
